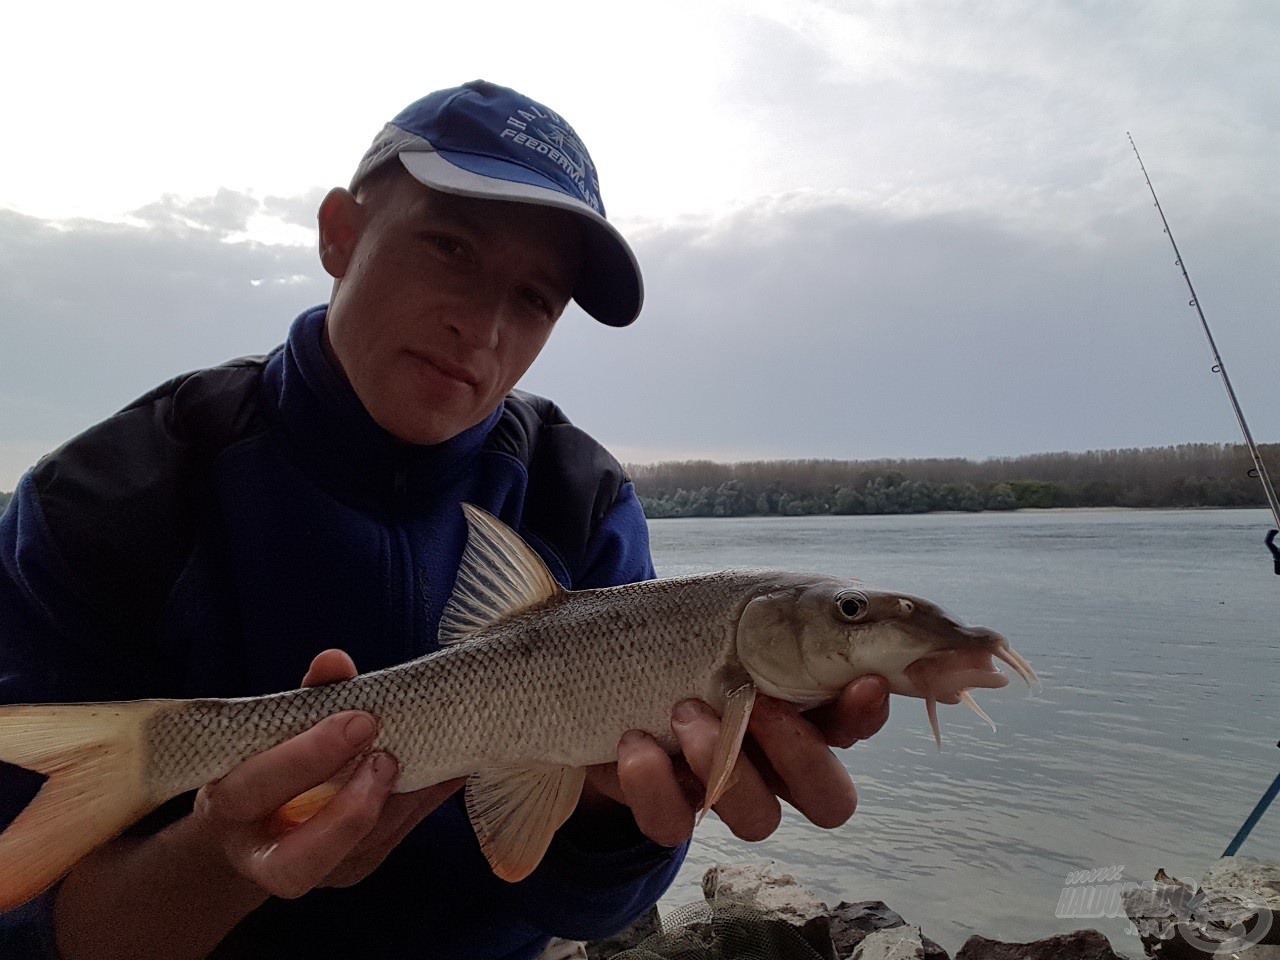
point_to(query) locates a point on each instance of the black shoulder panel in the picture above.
(573, 481)
(123, 500)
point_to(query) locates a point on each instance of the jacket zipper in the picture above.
(404, 573)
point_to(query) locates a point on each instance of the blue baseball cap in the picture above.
(483, 140)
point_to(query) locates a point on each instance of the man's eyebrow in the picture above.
(458, 218)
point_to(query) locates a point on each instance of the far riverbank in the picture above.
(1184, 476)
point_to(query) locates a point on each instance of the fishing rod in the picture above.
(1259, 468)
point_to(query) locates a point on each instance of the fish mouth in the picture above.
(947, 676)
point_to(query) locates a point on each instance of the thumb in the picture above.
(329, 666)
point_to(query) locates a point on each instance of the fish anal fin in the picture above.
(733, 728)
(499, 575)
(515, 811)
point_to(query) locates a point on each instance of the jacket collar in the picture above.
(329, 431)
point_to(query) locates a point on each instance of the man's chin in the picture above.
(428, 429)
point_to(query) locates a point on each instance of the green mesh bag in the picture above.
(723, 931)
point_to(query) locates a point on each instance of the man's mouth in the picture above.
(451, 370)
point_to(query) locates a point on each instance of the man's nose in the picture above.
(476, 321)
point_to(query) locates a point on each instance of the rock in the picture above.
(564, 950)
(1256, 882)
(1234, 909)
(1080, 945)
(727, 930)
(645, 926)
(1156, 908)
(899, 942)
(762, 887)
(852, 922)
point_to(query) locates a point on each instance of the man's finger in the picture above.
(858, 713)
(748, 807)
(299, 860)
(269, 780)
(817, 783)
(647, 777)
(400, 814)
(329, 666)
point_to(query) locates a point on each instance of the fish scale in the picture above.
(596, 663)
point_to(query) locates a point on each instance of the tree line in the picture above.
(1187, 475)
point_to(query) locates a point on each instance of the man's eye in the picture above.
(446, 245)
(537, 301)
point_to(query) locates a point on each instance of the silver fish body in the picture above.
(559, 684)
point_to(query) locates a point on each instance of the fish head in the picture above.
(807, 639)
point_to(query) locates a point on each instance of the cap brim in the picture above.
(610, 287)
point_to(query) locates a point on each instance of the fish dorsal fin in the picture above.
(499, 575)
(515, 812)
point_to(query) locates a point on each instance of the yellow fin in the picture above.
(95, 756)
(733, 728)
(499, 575)
(306, 805)
(515, 811)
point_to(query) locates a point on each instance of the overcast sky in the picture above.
(868, 229)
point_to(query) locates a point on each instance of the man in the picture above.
(297, 515)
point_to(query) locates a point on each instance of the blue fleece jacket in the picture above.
(313, 529)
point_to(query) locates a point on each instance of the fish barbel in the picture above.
(532, 684)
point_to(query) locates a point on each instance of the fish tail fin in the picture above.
(95, 758)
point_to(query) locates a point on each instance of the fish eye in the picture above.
(852, 605)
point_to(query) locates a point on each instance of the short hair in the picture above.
(377, 182)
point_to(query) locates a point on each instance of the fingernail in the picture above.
(631, 738)
(866, 685)
(383, 768)
(686, 711)
(360, 730)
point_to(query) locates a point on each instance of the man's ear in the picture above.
(341, 220)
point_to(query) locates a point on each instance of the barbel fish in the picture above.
(531, 685)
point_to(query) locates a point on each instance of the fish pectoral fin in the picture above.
(515, 811)
(306, 805)
(733, 728)
(499, 575)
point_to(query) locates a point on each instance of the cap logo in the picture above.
(543, 132)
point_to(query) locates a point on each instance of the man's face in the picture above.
(442, 301)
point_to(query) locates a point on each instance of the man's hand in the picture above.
(786, 756)
(346, 840)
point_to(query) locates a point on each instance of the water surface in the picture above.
(1156, 636)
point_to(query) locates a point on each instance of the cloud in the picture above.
(225, 213)
(98, 313)
(300, 211)
(1008, 109)
(796, 326)
(824, 329)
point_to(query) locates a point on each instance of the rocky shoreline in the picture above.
(756, 912)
